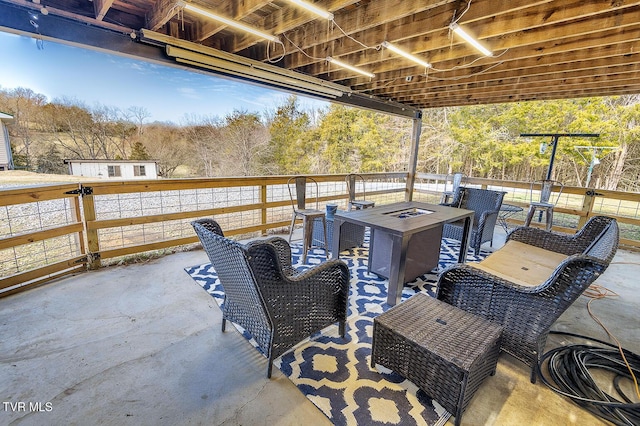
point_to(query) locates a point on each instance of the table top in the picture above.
(405, 217)
(510, 208)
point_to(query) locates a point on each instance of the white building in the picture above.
(6, 159)
(114, 169)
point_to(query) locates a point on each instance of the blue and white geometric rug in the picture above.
(335, 373)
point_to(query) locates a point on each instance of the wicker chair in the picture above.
(277, 304)
(486, 205)
(527, 313)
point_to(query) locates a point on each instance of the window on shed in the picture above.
(139, 171)
(114, 171)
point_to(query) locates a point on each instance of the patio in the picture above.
(141, 344)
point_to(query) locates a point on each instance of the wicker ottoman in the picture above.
(443, 350)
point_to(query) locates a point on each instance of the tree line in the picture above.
(480, 141)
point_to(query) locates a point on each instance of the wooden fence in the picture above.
(50, 231)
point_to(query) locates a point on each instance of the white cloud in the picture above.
(189, 92)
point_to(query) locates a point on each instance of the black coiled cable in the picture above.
(569, 369)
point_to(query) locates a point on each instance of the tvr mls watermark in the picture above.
(27, 407)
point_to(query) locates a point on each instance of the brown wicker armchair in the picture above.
(277, 304)
(528, 312)
(486, 205)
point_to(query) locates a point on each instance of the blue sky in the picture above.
(94, 78)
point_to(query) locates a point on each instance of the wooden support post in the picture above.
(263, 209)
(93, 242)
(413, 159)
(587, 207)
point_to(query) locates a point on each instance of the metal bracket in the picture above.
(592, 193)
(83, 190)
(83, 259)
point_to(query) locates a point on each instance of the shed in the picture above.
(114, 169)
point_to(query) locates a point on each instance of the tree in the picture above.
(204, 135)
(24, 105)
(139, 114)
(288, 150)
(437, 145)
(71, 125)
(50, 161)
(100, 132)
(167, 145)
(245, 141)
(491, 146)
(354, 140)
(139, 152)
(480, 141)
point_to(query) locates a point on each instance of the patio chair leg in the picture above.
(533, 374)
(530, 213)
(549, 219)
(224, 323)
(307, 237)
(293, 223)
(269, 367)
(324, 230)
(342, 326)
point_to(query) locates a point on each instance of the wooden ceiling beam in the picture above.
(421, 85)
(55, 11)
(101, 7)
(523, 97)
(529, 41)
(362, 19)
(429, 30)
(516, 66)
(288, 19)
(568, 85)
(427, 25)
(573, 49)
(499, 75)
(281, 20)
(234, 10)
(163, 11)
(542, 86)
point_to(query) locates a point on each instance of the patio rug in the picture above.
(334, 373)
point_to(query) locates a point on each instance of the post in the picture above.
(554, 142)
(413, 158)
(263, 210)
(93, 240)
(587, 207)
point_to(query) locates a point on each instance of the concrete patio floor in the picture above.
(141, 345)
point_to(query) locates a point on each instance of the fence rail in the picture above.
(49, 231)
(41, 236)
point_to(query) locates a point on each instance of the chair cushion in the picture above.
(521, 263)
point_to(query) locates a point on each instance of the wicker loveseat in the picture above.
(527, 284)
(277, 304)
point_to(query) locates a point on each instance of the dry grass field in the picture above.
(13, 178)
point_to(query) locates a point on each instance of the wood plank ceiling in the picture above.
(541, 49)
